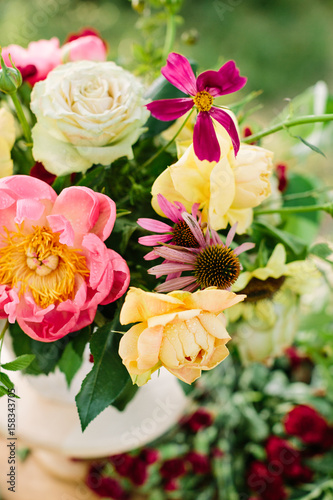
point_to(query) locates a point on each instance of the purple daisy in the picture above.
(180, 234)
(213, 263)
(202, 90)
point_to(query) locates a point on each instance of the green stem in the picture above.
(289, 123)
(2, 334)
(22, 118)
(327, 207)
(163, 148)
(170, 35)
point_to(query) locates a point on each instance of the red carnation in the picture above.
(199, 420)
(266, 483)
(306, 423)
(172, 468)
(199, 462)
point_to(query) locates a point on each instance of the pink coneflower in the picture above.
(212, 264)
(203, 90)
(179, 234)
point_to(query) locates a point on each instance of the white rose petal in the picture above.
(87, 113)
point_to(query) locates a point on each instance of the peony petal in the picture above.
(154, 225)
(28, 209)
(59, 224)
(206, 146)
(121, 277)
(179, 73)
(224, 81)
(170, 109)
(26, 187)
(106, 218)
(227, 122)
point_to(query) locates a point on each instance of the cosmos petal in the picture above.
(170, 109)
(224, 81)
(205, 143)
(178, 71)
(227, 122)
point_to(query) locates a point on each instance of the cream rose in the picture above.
(87, 112)
(227, 191)
(182, 331)
(7, 139)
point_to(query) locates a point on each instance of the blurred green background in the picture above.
(282, 46)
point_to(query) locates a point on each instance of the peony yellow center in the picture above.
(203, 100)
(38, 263)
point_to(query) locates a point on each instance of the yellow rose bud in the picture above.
(182, 331)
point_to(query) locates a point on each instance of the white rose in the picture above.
(87, 113)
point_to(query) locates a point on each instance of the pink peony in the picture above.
(54, 267)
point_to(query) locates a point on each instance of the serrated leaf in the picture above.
(107, 379)
(19, 363)
(5, 380)
(125, 396)
(70, 362)
(311, 146)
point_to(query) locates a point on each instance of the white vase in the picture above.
(47, 418)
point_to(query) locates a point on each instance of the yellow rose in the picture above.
(227, 191)
(182, 331)
(7, 139)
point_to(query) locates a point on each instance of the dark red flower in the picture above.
(281, 172)
(265, 482)
(171, 485)
(199, 420)
(103, 486)
(306, 423)
(172, 468)
(149, 455)
(246, 133)
(38, 171)
(122, 463)
(200, 463)
(91, 358)
(138, 472)
(217, 453)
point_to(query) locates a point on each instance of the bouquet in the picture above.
(143, 216)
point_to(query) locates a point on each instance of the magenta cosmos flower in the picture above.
(54, 267)
(179, 234)
(202, 90)
(213, 263)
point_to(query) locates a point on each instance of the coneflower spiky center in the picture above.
(217, 265)
(183, 236)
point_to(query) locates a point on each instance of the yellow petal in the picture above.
(212, 300)
(199, 332)
(213, 325)
(167, 318)
(164, 185)
(222, 192)
(188, 340)
(140, 305)
(128, 346)
(7, 127)
(168, 354)
(149, 343)
(188, 375)
(219, 354)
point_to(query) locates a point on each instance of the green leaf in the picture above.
(19, 363)
(107, 379)
(5, 380)
(3, 391)
(71, 359)
(126, 395)
(293, 243)
(311, 146)
(322, 250)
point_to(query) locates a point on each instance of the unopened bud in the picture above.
(138, 5)
(10, 78)
(190, 37)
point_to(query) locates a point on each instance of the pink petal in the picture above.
(224, 81)
(195, 209)
(191, 288)
(205, 143)
(151, 256)
(178, 71)
(26, 187)
(90, 48)
(216, 240)
(243, 248)
(175, 284)
(172, 276)
(170, 267)
(227, 122)
(106, 218)
(169, 209)
(28, 209)
(155, 239)
(194, 228)
(80, 206)
(154, 225)
(231, 234)
(170, 109)
(121, 277)
(59, 224)
(175, 255)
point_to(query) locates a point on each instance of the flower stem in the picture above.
(326, 207)
(170, 34)
(163, 148)
(2, 334)
(289, 123)
(22, 118)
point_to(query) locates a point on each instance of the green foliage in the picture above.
(108, 377)
(19, 363)
(71, 358)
